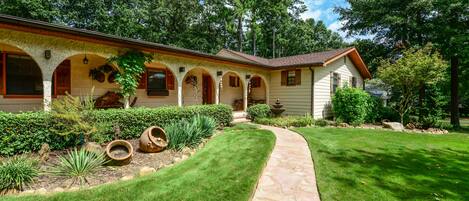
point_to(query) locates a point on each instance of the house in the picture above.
(41, 62)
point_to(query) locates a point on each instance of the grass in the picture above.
(226, 169)
(362, 164)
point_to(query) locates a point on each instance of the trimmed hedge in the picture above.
(26, 132)
(258, 111)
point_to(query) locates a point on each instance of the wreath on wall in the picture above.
(99, 73)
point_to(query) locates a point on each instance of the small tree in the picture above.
(407, 74)
(131, 66)
(351, 105)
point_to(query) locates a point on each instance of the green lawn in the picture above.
(361, 164)
(226, 169)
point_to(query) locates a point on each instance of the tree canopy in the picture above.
(262, 27)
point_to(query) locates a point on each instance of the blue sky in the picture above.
(324, 10)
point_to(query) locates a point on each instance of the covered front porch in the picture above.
(30, 84)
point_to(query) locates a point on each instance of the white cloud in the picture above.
(315, 14)
(315, 2)
(337, 25)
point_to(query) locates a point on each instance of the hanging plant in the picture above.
(131, 66)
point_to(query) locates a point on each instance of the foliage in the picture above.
(206, 125)
(189, 132)
(16, 172)
(287, 121)
(416, 68)
(321, 122)
(228, 167)
(375, 109)
(258, 111)
(131, 66)
(78, 165)
(384, 162)
(26, 132)
(68, 116)
(351, 105)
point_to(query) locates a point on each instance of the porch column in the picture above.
(217, 91)
(245, 97)
(47, 99)
(179, 93)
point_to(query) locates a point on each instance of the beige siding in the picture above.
(229, 94)
(296, 99)
(322, 84)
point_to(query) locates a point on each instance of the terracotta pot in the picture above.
(119, 152)
(153, 139)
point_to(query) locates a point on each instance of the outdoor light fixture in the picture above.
(47, 54)
(85, 60)
(219, 73)
(248, 76)
(182, 69)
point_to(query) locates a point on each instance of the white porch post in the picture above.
(179, 93)
(245, 97)
(217, 91)
(47, 100)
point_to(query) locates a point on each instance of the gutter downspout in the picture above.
(312, 91)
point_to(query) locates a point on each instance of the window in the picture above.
(156, 83)
(255, 82)
(291, 77)
(23, 76)
(335, 81)
(234, 81)
(354, 82)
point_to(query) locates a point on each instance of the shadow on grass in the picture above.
(407, 174)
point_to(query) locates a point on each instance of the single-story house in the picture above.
(41, 61)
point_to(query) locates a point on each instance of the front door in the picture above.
(207, 89)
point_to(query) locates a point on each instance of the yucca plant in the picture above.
(183, 133)
(17, 172)
(78, 165)
(206, 125)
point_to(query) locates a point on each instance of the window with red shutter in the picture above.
(169, 80)
(142, 84)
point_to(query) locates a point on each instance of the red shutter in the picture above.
(2, 70)
(298, 77)
(62, 78)
(142, 84)
(284, 78)
(169, 80)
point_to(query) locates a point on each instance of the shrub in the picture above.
(17, 172)
(189, 132)
(320, 122)
(26, 132)
(287, 121)
(375, 110)
(350, 105)
(258, 111)
(78, 165)
(206, 125)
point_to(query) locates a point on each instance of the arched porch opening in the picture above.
(198, 87)
(257, 91)
(231, 91)
(21, 80)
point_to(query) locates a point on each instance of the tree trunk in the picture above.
(421, 99)
(126, 102)
(254, 38)
(454, 92)
(240, 33)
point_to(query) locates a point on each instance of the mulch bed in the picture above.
(109, 174)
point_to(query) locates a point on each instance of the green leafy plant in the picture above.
(350, 105)
(258, 111)
(321, 122)
(287, 121)
(131, 66)
(16, 172)
(183, 133)
(206, 125)
(78, 165)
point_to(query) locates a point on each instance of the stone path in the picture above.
(289, 174)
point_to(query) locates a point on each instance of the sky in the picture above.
(324, 10)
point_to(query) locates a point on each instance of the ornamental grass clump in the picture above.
(78, 166)
(17, 172)
(190, 132)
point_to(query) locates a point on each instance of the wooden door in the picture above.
(207, 89)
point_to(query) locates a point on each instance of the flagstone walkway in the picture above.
(289, 174)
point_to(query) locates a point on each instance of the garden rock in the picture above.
(437, 131)
(93, 147)
(394, 126)
(146, 171)
(41, 191)
(28, 192)
(58, 189)
(126, 178)
(44, 152)
(344, 125)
